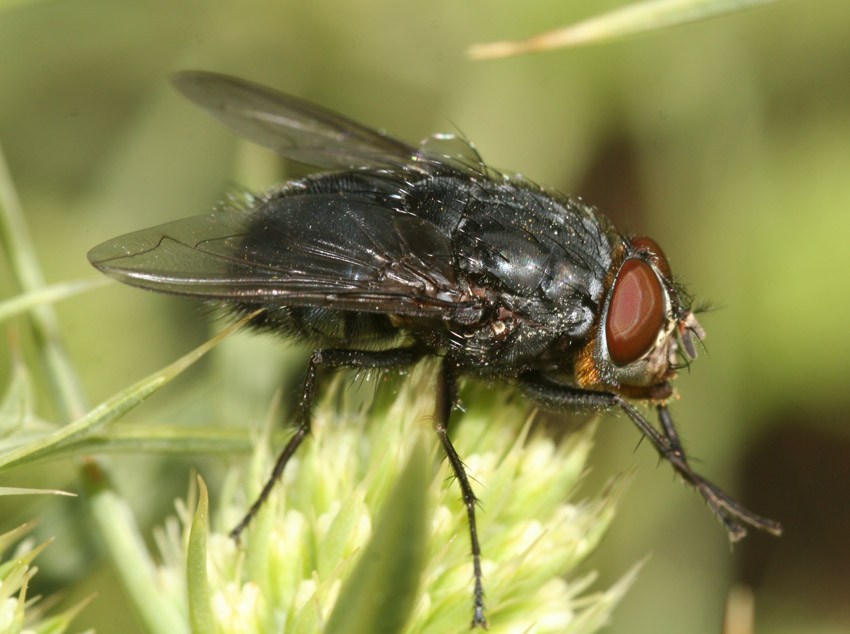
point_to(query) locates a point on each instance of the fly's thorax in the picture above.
(643, 328)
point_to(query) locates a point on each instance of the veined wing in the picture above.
(310, 134)
(303, 249)
(294, 128)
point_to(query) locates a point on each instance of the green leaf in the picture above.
(381, 592)
(160, 439)
(200, 607)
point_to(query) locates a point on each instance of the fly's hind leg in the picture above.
(331, 358)
(446, 397)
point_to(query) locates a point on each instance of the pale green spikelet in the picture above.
(18, 614)
(354, 479)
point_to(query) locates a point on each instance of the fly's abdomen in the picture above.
(323, 326)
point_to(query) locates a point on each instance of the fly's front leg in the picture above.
(724, 506)
(667, 444)
(332, 358)
(446, 397)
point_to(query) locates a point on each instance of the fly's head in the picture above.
(645, 330)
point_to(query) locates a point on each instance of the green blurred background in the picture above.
(727, 141)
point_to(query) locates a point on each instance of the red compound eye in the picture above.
(657, 256)
(636, 312)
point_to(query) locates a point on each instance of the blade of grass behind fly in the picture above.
(112, 516)
(633, 19)
(111, 409)
(47, 295)
(68, 395)
(162, 439)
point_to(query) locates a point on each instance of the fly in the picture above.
(429, 247)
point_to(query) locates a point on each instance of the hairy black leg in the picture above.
(332, 358)
(667, 444)
(721, 503)
(446, 396)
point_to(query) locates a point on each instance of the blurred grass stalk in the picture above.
(111, 514)
(634, 19)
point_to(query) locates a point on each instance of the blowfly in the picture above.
(392, 253)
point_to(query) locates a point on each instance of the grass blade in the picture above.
(634, 19)
(111, 409)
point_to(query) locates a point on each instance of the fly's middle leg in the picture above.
(446, 397)
(331, 358)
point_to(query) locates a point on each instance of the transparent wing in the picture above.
(455, 152)
(296, 129)
(300, 250)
